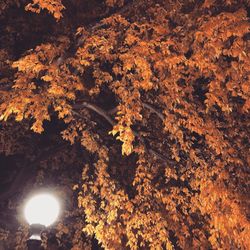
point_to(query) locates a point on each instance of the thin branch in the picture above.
(159, 156)
(96, 109)
(153, 110)
(145, 105)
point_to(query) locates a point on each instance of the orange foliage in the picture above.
(176, 75)
(54, 7)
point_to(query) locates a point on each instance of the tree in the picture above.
(141, 107)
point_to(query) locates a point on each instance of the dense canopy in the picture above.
(136, 113)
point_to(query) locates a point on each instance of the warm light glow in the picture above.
(42, 209)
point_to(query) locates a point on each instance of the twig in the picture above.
(161, 157)
(96, 109)
(145, 105)
(153, 110)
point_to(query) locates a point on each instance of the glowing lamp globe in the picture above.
(42, 209)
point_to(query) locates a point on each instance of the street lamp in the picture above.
(40, 211)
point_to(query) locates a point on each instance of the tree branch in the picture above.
(96, 109)
(145, 105)
(153, 110)
(104, 114)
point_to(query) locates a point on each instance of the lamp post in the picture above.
(41, 211)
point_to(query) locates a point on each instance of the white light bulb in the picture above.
(42, 209)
